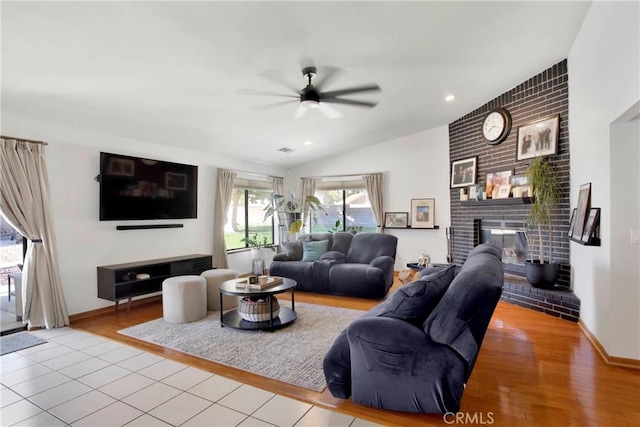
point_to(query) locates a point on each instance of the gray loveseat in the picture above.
(359, 265)
(415, 351)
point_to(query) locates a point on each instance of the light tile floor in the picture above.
(78, 379)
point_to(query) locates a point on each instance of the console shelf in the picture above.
(119, 281)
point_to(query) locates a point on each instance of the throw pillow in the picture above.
(294, 250)
(312, 251)
(414, 301)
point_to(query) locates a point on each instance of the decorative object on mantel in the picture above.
(423, 212)
(463, 172)
(495, 179)
(463, 195)
(396, 219)
(546, 191)
(520, 185)
(539, 138)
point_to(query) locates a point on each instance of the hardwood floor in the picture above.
(533, 369)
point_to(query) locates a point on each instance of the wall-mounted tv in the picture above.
(132, 188)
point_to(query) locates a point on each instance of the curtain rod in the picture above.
(254, 173)
(24, 139)
(341, 175)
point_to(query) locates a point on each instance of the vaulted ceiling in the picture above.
(178, 73)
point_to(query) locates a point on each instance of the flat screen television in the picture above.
(132, 188)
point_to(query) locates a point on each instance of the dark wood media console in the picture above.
(119, 281)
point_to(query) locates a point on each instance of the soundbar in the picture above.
(147, 226)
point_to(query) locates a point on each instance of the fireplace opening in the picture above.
(510, 236)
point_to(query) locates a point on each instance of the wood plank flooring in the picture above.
(533, 369)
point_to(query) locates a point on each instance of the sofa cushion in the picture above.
(365, 247)
(414, 301)
(294, 250)
(341, 242)
(311, 251)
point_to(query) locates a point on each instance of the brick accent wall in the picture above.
(543, 95)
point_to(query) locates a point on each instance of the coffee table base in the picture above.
(232, 319)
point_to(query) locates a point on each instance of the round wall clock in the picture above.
(496, 126)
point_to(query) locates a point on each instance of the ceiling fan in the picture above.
(313, 97)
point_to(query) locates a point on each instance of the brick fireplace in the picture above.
(543, 95)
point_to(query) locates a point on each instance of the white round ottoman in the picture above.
(214, 278)
(184, 299)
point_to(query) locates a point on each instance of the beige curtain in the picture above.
(373, 183)
(25, 203)
(307, 188)
(224, 190)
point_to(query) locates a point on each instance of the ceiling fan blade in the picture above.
(328, 111)
(269, 106)
(264, 93)
(325, 74)
(368, 88)
(276, 77)
(349, 102)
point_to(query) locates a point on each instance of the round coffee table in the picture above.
(232, 318)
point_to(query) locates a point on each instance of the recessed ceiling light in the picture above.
(449, 98)
(308, 142)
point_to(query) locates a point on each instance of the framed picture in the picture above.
(539, 138)
(396, 219)
(520, 185)
(423, 213)
(572, 222)
(493, 181)
(121, 167)
(592, 222)
(584, 203)
(463, 172)
(175, 181)
(503, 191)
(473, 192)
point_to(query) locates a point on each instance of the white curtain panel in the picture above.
(307, 188)
(25, 203)
(224, 190)
(373, 183)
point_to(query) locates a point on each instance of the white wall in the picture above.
(414, 166)
(604, 82)
(84, 242)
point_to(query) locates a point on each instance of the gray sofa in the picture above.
(358, 265)
(415, 351)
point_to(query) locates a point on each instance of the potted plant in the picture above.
(291, 210)
(258, 246)
(543, 179)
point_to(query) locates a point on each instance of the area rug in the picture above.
(293, 354)
(18, 341)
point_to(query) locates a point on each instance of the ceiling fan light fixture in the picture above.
(309, 103)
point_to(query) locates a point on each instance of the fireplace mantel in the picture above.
(493, 202)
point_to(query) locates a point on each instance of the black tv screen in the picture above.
(135, 188)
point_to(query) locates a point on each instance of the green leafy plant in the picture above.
(543, 179)
(279, 204)
(336, 227)
(254, 242)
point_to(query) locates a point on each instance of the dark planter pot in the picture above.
(542, 275)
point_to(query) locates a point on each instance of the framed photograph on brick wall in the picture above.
(539, 138)
(463, 172)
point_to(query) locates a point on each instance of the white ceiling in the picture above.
(170, 72)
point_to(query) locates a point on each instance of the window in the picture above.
(245, 215)
(344, 201)
(12, 250)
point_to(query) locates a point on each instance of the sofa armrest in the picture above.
(395, 365)
(384, 263)
(336, 256)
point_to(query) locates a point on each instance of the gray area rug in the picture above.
(293, 354)
(18, 341)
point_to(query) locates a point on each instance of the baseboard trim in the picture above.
(608, 359)
(111, 310)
